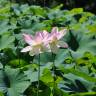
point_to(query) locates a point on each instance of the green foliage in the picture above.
(1, 94)
(13, 81)
(75, 67)
(6, 41)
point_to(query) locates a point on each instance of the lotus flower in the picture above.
(44, 42)
(37, 44)
(55, 39)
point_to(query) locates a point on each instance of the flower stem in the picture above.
(53, 58)
(38, 85)
(71, 54)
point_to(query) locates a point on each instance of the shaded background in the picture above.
(88, 5)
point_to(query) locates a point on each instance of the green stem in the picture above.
(72, 57)
(38, 85)
(53, 58)
(70, 54)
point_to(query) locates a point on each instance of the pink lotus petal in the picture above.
(62, 33)
(37, 37)
(62, 44)
(41, 37)
(26, 49)
(28, 39)
(44, 34)
(56, 33)
(54, 30)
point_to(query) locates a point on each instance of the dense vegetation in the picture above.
(88, 5)
(75, 67)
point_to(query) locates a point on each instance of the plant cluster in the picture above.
(75, 66)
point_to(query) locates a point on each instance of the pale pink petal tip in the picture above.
(26, 49)
(27, 37)
(65, 45)
(54, 30)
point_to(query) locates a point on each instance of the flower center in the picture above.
(54, 41)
